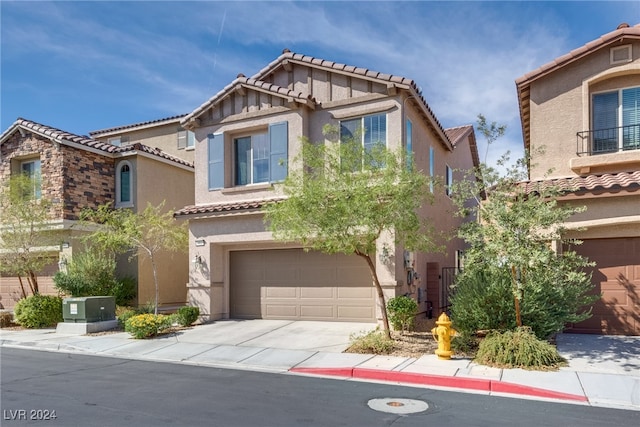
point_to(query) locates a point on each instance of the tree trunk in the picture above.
(376, 282)
(155, 281)
(33, 282)
(24, 293)
(516, 294)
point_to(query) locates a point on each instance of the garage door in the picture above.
(617, 277)
(298, 285)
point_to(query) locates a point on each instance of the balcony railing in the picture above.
(612, 140)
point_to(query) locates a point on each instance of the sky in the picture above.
(87, 65)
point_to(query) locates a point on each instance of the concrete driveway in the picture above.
(279, 334)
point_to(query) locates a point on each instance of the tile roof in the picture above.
(137, 125)
(457, 134)
(287, 56)
(216, 208)
(589, 183)
(87, 142)
(242, 81)
(624, 31)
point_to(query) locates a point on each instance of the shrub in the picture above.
(147, 325)
(187, 315)
(123, 314)
(518, 349)
(93, 274)
(38, 311)
(6, 319)
(373, 342)
(402, 312)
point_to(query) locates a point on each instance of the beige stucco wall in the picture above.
(560, 107)
(158, 181)
(609, 215)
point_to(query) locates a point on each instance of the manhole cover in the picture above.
(398, 406)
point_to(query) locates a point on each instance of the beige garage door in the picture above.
(298, 285)
(617, 277)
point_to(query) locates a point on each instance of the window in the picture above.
(31, 168)
(431, 167)
(124, 187)
(616, 120)
(186, 139)
(409, 144)
(259, 157)
(449, 181)
(370, 131)
(117, 141)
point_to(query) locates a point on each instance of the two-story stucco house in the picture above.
(79, 172)
(583, 109)
(245, 138)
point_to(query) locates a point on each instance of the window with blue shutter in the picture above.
(261, 157)
(216, 161)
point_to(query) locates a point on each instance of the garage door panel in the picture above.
(616, 277)
(280, 292)
(293, 284)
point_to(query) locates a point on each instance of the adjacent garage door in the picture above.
(297, 285)
(617, 277)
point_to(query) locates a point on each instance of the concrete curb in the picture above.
(476, 384)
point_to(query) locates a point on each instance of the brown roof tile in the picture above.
(217, 208)
(85, 141)
(626, 180)
(136, 125)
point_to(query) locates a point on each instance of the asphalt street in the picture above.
(102, 391)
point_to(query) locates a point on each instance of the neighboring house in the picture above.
(246, 136)
(81, 172)
(164, 134)
(583, 109)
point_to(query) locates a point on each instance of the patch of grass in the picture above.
(518, 348)
(373, 342)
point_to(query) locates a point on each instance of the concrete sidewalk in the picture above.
(603, 370)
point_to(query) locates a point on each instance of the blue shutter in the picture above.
(216, 161)
(279, 141)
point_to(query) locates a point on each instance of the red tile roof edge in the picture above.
(587, 183)
(225, 207)
(51, 132)
(135, 125)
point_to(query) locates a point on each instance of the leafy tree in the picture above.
(518, 225)
(148, 232)
(341, 198)
(24, 217)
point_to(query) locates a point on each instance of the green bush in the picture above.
(402, 312)
(187, 315)
(93, 274)
(147, 325)
(123, 314)
(518, 349)
(373, 342)
(553, 295)
(38, 311)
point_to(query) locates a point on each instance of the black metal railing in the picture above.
(601, 141)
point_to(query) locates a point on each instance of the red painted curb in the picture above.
(490, 386)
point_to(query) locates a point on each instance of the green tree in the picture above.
(148, 233)
(341, 198)
(24, 230)
(521, 225)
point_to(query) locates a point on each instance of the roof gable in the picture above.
(86, 143)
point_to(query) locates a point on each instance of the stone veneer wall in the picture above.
(72, 178)
(88, 180)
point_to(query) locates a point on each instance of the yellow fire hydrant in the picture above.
(443, 334)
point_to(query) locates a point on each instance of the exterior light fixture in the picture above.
(200, 242)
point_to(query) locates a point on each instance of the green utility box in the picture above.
(88, 309)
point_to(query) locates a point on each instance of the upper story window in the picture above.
(616, 120)
(255, 158)
(186, 139)
(370, 131)
(117, 141)
(449, 181)
(432, 164)
(31, 168)
(124, 185)
(409, 143)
